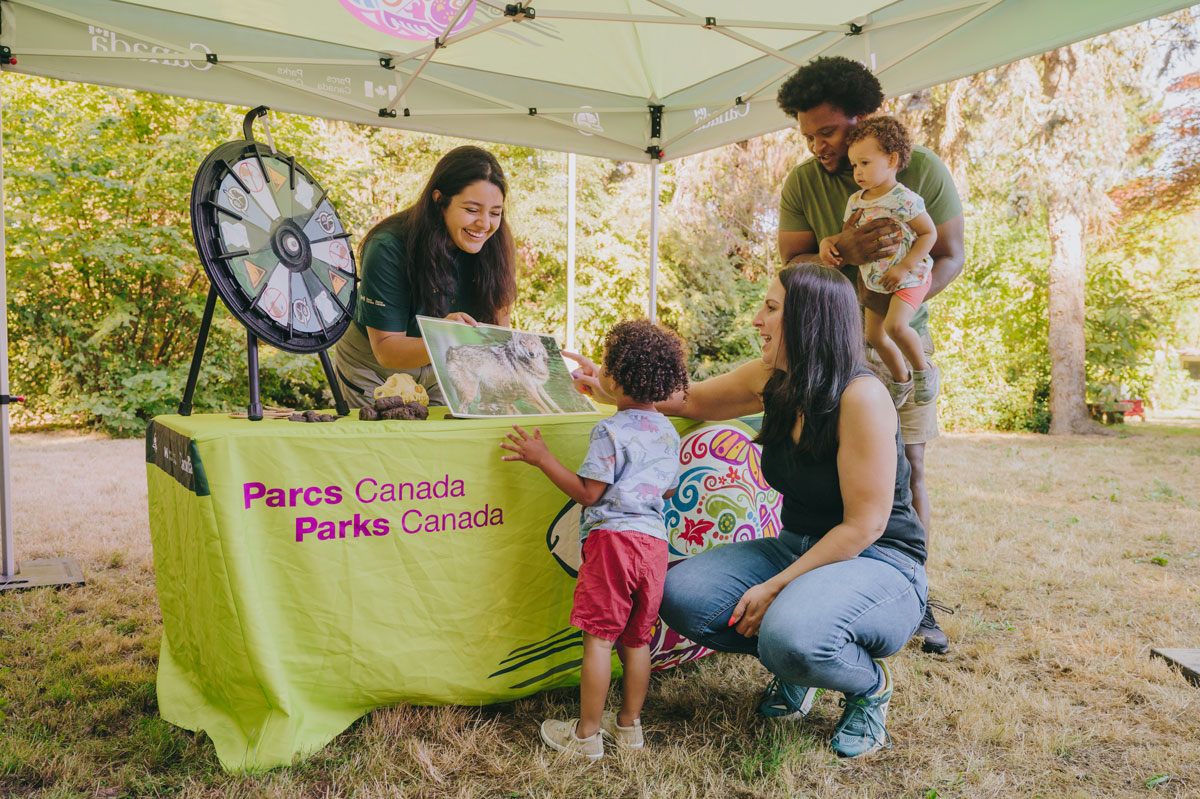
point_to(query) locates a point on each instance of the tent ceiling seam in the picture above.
(453, 38)
(749, 96)
(927, 13)
(985, 7)
(438, 43)
(690, 21)
(652, 95)
(218, 64)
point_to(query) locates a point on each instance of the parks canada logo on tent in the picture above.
(588, 120)
(422, 20)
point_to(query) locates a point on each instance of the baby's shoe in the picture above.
(560, 735)
(626, 737)
(901, 391)
(925, 385)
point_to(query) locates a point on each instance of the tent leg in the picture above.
(185, 405)
(339, 402)
(255, 409)
(31, 573)
(571, 252)
(653, 302)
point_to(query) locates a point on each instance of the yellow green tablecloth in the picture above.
(308, 573)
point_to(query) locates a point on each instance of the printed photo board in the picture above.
(489, 371)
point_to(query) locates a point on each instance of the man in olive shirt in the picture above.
(828, 97)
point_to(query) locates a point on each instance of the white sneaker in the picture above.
(560, 735)
(625, 737)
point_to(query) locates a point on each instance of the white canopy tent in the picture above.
(622, 79)
(633, 80)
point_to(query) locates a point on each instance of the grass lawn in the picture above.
(1069, 557)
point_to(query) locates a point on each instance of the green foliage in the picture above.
(990, 327)
(1141, 296)
(105, 288)
(718, 245)
(102, 280)
(1062, 129)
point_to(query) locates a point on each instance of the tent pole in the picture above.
(653, 302)
(571, 252)
(52, 571)
(10, 564)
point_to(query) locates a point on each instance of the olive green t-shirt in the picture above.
(815, 200)
(385, 299)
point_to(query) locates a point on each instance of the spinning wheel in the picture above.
(276, 253)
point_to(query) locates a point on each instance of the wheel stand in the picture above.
(255, 408)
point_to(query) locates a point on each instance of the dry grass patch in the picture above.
(1070, 558)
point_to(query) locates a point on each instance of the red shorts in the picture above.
(620, 586)
(915, 295)
(878, 302)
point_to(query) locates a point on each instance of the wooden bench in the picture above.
(1115, 411)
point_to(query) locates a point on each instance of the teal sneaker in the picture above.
(861, 729)
(782, 700)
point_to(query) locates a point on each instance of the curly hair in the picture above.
(891, 135)
(645, 360)
(839, 81)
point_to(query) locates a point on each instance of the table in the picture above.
(309, 573)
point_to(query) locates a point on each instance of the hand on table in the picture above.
(529, 448)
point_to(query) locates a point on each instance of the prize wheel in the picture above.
(273, 246)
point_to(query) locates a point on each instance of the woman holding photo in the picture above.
(449, 255)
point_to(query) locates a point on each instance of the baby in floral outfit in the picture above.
(631, 467)
(879, 147)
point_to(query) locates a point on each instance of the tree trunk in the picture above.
(1068, 380)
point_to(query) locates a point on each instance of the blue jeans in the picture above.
(822, 630)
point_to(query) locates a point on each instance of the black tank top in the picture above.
(812, 496)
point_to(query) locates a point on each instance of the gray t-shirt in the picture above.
(637, 454)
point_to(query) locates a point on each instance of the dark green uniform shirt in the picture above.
(385, 300)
